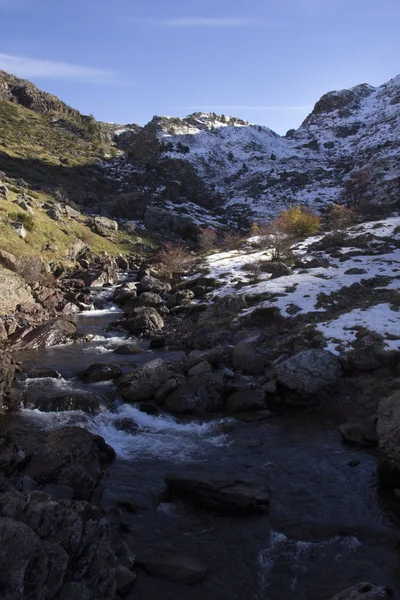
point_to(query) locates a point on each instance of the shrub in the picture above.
(232, 240)
(275, 237)
(340, 218)
(299, 222)
(356, 188)
(172, 258)
(23, 218)
(291, 225)
(207, 238)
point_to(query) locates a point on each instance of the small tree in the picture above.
(172, 258)
(291, 225)
(300, 222)
(340, 218)
(232, 240)
(276, 238)
(356, 188)
(207, 238)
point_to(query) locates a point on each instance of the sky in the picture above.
(266, 61)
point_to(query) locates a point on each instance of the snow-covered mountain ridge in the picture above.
(245, 168)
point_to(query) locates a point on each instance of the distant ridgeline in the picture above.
(205, 168)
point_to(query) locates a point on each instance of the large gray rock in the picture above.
(144, 320)
(306, 374)
(29, 567)
(90, 403)
(277, 269)
(151, 284)
(144, 381)
(73, 457)
(220, 492)
(146, 299)
(388, 434)
(364, 591)
(52, 333)
(19, 229)
(104, 226)
(246, 400)
(180, 297)
(200, 394)
(100, 372)
(248, 359)
(53, 550)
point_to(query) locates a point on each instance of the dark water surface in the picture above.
(328, 527)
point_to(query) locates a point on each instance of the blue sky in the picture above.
(267, 61)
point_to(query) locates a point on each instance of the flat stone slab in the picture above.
(222, 493)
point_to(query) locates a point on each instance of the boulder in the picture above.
(100, 372)
(54, 214)
(74, 457)
(122, 263)
(78, 249)
(316, 263)
(177, 568)
(366, 356)
(248, 359)
(359, 433)
(42, 373)
(52, 333)
(180, 297)
(19, 229)
(91, 404)
(143, 382)
(145, 299)
(4, 191)
(388, 435)
(223, 493)
(28, 566)
(126, 424)
(124, 292)
(144, 320)
(246, 400)
(103, 226)
(54, 550)
(164, 391)
(306, 374)
(201, 368)
(200, 394)
(150, 284)
(9, 261)
(364, 591)
(277, 269)
(98, 277)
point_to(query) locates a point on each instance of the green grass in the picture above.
(61, 234)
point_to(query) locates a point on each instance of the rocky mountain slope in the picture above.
(205, 168)
(250, 168)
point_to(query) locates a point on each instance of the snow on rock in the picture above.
(368, 278)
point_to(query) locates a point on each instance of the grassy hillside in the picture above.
(60, 235)
(54, 150)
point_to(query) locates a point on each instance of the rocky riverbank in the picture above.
(251, 372)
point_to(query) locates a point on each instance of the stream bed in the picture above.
(328, 527)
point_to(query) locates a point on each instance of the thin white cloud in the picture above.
(207, 22)
(13, 3)
(23, 66)
(250, 107)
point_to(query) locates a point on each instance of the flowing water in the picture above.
(328, 527)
